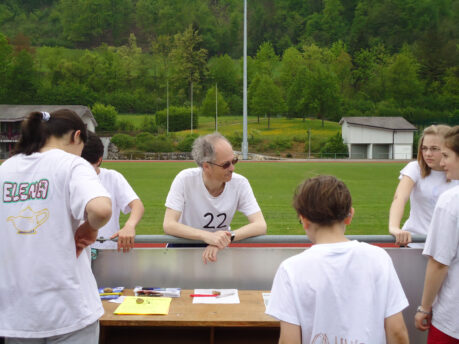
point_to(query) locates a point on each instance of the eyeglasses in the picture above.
(433, 149)
(226, 164)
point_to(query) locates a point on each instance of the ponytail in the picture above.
(39, 126)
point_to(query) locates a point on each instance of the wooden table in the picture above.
(194, 323)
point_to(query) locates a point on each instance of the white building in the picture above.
(11, 117)
(378, 137)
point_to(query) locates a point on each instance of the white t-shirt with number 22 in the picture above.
(200, 209)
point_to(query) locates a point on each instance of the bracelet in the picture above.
(420, 310)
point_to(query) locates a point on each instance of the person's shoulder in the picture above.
(449, 197)
(373, 252)
(110, 174)
(189, 173)
(412, 166)
(239, 179)
(305, 257)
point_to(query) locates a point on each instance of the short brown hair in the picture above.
(452, 139)
(438, 130)
(323, 200)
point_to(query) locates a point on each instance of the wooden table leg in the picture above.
(212, 335)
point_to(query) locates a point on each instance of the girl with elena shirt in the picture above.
(47, 291)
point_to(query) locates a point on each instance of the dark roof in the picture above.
(14, 113)
(391, 123)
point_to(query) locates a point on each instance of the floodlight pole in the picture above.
(245, 146)
(216, 107)
(192, 107)
(167, 102)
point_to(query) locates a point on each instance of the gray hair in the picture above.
(204, 148)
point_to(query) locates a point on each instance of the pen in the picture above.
(203, 295)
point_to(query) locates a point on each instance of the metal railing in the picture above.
(267, 239)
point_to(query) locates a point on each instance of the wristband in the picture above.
(232, 236)
(420, 310)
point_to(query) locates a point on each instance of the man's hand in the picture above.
(402, 237)
(85, 235)
(126, 237)
(422, 321)
(210, 254)
(221, 239)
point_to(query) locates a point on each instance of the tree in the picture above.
(316, 91)
(266, 59)
(403, 84)
(23, 82)
(208, 104)
(266, 98)
(329, 26)
(189, 60)
(5, 65)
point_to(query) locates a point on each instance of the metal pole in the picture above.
(192, 107)
(167, 111)
(245, 145)
(216, 107)
(309, 143)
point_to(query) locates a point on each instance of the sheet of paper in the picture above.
(227, 296)
(148, 305)
(118, 300)
(266, 298)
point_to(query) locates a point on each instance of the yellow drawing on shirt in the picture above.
(28, 220)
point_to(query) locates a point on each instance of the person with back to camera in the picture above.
(53, 205)
(439, 309)
(202, 201)
(337, 291)
(422, 182)
(123, 199)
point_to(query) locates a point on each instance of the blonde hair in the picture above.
(437, 130)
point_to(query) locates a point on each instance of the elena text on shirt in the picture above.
(25, 191)
(322, 338)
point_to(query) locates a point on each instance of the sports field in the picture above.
(372, 186)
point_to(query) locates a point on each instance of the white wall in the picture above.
(403, 152)
(402, 141)
(364, 135)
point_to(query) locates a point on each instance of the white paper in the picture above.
(227, 296)
(266, 297)
(118, 300)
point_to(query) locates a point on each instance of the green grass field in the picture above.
(372, 186)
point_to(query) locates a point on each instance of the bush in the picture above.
(187, 143)
(148, 142)
(125, 125)
(335, 145)
(179, 118)
(105, 116)
(123, 141)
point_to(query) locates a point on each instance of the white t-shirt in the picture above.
(44, 289)
(200, 209)
(122, 194)
(339, 292)
(442, 244)
(424, 196)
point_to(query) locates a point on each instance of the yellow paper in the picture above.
(150, 305)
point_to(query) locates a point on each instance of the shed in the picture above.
(11, 117)
(378, 137)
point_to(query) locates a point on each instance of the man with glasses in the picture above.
(202, 201)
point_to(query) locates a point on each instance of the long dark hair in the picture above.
(39, 126)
